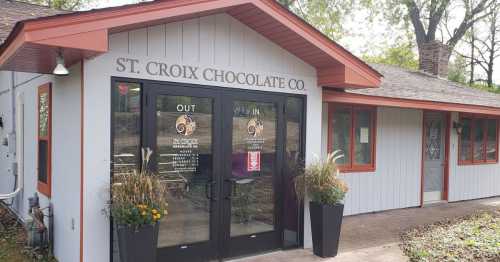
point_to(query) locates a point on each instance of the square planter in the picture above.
(138, 245)
(326, 222)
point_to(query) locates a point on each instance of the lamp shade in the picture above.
(60, 69)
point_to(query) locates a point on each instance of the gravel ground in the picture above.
(13, 239)
(470, 238)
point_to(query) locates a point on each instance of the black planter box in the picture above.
(138, 245)
(326, 221)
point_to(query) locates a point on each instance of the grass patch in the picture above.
(471, 238)
(13, 240)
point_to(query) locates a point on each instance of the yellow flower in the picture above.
(143, 213)
(154, 211)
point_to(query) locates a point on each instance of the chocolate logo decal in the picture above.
(255, 127)
(185, 125)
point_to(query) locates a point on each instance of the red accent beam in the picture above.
(350, 98)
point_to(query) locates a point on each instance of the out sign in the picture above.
(253, 161)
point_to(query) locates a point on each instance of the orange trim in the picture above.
(447, 156)
(95, 41)
(82, 99)
(473, 161)
(352, 167)
(422, 161)
(88, 31)
(320, 40)
(45, 188)
(350, 98)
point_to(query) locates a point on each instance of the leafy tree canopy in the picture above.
(400, 54)
(326, 15)
(62, 4)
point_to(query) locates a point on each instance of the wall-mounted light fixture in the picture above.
(458, 127)
(60, 69)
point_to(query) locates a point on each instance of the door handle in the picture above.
(209, 186)
(233, 188)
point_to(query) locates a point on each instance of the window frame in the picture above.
(45, 188)
(472, 161)
(352, 166)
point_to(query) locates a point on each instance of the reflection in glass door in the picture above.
(253, 167)
(220, 153)
(254, 138)
(183, 145)
(181, 130)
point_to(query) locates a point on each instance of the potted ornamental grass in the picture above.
(321, 183)
(137, 205)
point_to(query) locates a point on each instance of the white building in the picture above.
(227, 93)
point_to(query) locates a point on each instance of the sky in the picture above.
(361, 38)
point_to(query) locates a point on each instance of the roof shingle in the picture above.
(12, 12)
(407, 84)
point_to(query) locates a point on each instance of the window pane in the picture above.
(43, 117)
(491, 146)
(184, 160)
(478, 135)
(342, 125)
(126, 126)
(43, 150)
(294, 163)
(363, 137)
(465, 143)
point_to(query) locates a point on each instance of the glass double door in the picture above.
(219, 153)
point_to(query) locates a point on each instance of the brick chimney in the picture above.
(434, 58)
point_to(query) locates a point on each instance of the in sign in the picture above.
(253, 161)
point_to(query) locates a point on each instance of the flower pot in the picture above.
(138, 244)
(326, 221)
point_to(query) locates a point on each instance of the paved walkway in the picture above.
(375, 237)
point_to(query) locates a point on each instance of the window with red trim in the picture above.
(44, 152)
(352, 131)
(478, 141)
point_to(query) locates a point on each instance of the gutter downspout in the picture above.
(18, 185)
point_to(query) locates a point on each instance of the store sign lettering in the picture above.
(209, 74)
(185, 108)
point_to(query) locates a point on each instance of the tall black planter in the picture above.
(326, 221)
(138, 245)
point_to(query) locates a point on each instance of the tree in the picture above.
(325, 15)
(401, 54)
(426, 16)
(62, 4)
(457, 71)
(484, 47)
(489, 48)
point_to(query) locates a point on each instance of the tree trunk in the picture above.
(472, 55)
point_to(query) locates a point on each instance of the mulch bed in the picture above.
(471, 238)
(13, 241)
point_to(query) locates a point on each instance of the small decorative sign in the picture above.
(253, 161)
(123, 89)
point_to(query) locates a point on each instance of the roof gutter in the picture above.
(350, 98)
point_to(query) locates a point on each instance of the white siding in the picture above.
(396, 181)
(66, 165)
(471, 181)
(218, 41)
(65, 153)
